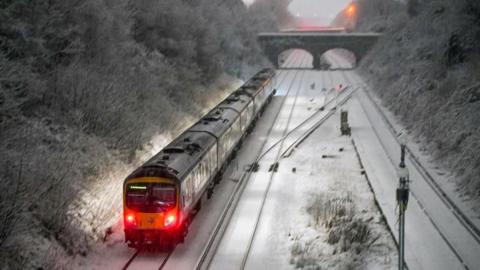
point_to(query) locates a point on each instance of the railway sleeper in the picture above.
(253, 167)
(274, 167)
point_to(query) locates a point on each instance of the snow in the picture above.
(425, 249)
(436, 239)
(114, 253)
(285, 228)
(300, 223)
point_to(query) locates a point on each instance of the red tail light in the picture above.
(170, 219)
(130, 219)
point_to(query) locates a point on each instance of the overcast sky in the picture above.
(322, 10)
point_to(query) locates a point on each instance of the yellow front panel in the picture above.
(150, 221)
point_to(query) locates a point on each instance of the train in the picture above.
(161, 197)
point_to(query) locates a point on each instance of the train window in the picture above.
(136, 195)
(162, 195)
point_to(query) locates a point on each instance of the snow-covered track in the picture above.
(165, 260)
(217, 234)
(287, 152)
(414, 195)
(136, 260)
(125, 267)
(139, 252)
(462, 217)
(291, 146)
(272, 175)
(463, 256)
(456, 210)
(314, 120)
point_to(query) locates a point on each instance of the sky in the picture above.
(320, 12)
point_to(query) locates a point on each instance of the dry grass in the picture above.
(335, 217)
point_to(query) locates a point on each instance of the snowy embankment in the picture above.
(84, 87)
(425, 70)
(438, 232)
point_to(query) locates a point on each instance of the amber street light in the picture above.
(351, 10)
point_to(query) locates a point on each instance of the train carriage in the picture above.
(161, 196)
(243, 105)
(260, 88)
(161, 193)
(224, 125)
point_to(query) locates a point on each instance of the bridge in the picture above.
(316, 43)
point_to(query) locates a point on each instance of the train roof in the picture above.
(253, 86)
(265, 73)
(237, 101)
(216, 122)
(178, 157)
(182, 154)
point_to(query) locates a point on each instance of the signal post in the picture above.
(402, 201)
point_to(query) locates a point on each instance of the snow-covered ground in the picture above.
(435, 237)
(114, 254)
(318, 210)
(285, 232)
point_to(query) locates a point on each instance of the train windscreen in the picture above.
(150, 197)
(163, 195)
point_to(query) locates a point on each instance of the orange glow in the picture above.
(351, 10)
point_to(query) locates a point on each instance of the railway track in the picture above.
(280, 155)
(317, 124)
(303, 123)
(264, 197)
(167, 255)
(130, 260)
(463, 218)
(164, 259)
(215, 238)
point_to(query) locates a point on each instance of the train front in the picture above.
(152, 214)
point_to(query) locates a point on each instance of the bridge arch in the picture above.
(338, 58)
(282, 58)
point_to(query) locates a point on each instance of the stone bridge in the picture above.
(316, 43)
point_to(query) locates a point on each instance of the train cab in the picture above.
(151, 209)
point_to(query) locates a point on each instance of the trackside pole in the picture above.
(402, 201)
(337, 92)
(337, 89)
